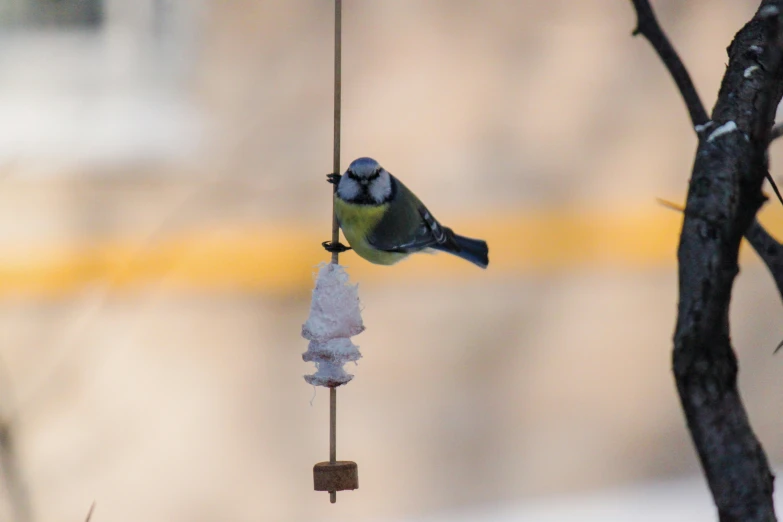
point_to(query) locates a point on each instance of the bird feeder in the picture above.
(334, 318)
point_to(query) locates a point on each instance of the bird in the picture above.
(384, 222)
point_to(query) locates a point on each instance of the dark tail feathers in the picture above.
(474, 250)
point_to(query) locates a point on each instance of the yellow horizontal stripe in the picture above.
(280, 259)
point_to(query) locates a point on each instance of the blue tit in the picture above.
(385, 222)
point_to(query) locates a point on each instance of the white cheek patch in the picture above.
(348, 189)
(380, 188)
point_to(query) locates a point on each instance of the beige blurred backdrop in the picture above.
(162, 201)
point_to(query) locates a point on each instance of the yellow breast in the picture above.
(357, 221)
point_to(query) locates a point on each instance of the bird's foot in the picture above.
(333, 178)
(335, 247)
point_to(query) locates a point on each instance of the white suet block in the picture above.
(335, 317)
(335, 310)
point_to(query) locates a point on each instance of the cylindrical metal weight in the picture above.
(336, 476)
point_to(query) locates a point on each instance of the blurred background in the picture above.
(162, 204)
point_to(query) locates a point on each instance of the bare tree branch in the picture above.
(763, 243)
(774, 186)
(723, 197)
(647, 25)
(17, 488)
(10, 470)
(769, 249)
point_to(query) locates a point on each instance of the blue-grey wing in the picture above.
(407, 226)
(420, 240)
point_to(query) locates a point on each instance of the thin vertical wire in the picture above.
(338, 11)
(332, 435)
(332, 425)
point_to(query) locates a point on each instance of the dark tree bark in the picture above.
(724, 195)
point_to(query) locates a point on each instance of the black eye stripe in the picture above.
(371, 177)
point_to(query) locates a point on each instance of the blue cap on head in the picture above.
(363, 167)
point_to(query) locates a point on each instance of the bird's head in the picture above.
(365, 182)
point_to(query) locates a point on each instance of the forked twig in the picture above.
(723, 197)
